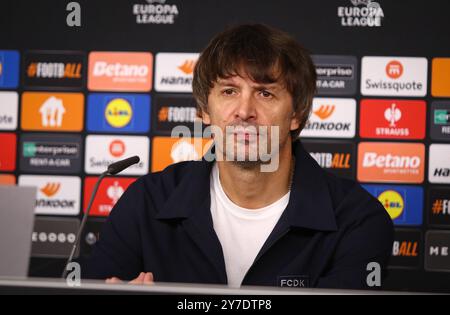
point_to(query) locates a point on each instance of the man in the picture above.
(272, 219)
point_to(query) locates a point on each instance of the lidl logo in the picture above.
(392, 119)
(404, 204)
(52, 111)
(118, 113)
(393, 203)
(124, 113)
(9, 69)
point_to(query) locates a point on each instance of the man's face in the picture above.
(240, 106)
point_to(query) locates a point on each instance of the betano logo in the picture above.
(120, 71)
(50, 189)
(118, 112)
(391, 162)
(52, 111)
(324, 111)
(393, 203)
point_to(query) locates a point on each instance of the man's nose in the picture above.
(246, 108)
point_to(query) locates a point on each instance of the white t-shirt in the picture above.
(242, 232)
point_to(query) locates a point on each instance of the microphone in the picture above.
(113, 169)
(119, 166)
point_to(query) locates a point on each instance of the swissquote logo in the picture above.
(102, 151)
(394, 76)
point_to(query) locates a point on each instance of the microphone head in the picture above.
(119, 166)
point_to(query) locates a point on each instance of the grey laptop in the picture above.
(16, 227)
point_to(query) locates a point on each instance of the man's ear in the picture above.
(295, 121)
(206, 119)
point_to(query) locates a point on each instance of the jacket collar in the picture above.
(310, 205)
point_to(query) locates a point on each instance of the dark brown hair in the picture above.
(267, 55)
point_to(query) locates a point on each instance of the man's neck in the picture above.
(252, 189)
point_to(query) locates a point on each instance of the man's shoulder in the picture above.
(351, 200)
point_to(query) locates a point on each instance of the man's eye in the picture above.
(228, 92)
(266, 94)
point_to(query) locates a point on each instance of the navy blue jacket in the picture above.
(331, 229)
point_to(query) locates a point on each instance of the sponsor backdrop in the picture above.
(75, 99)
